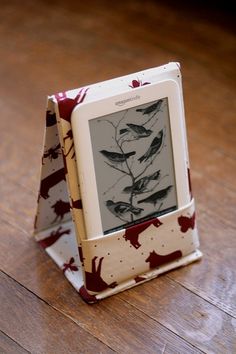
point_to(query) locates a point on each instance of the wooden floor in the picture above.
(51, 46)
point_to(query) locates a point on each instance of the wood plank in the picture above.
(214, 196)
(40, 328)
(9, 346)
(213, 278)
(191, 28)
(218, 139)
(213, 164)
(187, 315)
(17, 212)
(113, 321)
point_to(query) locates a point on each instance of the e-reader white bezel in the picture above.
(83, 147)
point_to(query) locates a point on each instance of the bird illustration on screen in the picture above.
(141, 184)
(116, 157)
(157, 196)
(137, 131)
(153, 148)
(122, 208)
(151, 109)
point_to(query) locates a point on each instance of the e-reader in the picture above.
(131, 156)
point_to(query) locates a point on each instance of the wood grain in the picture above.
(50, 47)
(186, 314)
(52, 337)
(7, 345)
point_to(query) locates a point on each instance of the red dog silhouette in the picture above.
(53, 237)
(138, 279)
(50, 119)
(81, 257)
(60, 209)
(66, 104)
(137, 83)
(94, 281)
(157, 259)
(65, 164)
(90, 299)
(77, 204)
(70, 137)
(186, 223)
(132, 233)
(50, 181)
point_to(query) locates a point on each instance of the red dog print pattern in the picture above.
(94, 281)
(70, 137)
(81, 257)
(138, 279)
(52, 153)
(186, 223)
(132, 233)
(155, 260)
(50, 181)
(53, 237)
(65, 164)
(66, 104)
(137, 83)
(60, 209)
(50, 119)
(90, 299)
(77, 204)
(70, 266)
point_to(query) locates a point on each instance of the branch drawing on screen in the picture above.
(141, 168)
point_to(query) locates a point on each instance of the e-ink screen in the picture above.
(134, 167)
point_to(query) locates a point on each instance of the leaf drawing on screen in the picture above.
(122, 156)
